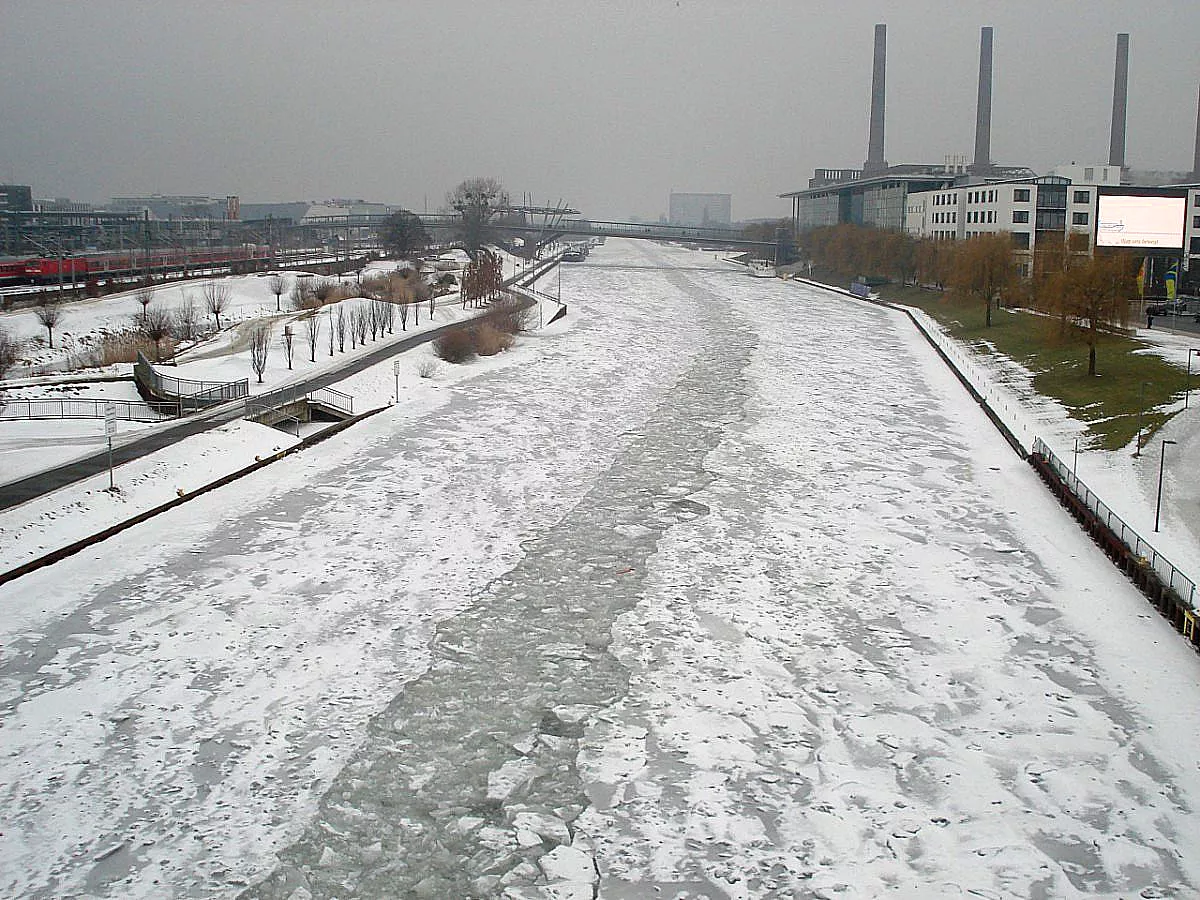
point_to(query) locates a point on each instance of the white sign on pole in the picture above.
(110, 419)
(396, 367)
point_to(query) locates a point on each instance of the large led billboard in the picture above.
(1134, 220)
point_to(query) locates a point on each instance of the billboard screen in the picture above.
(1130, 220)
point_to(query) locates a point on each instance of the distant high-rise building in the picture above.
(701, 209)
(16, 198)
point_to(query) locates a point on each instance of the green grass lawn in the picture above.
(1127, 382)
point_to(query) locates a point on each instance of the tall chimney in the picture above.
(875, 161)
(1196, 158)
(1116, 143)
(983, 106)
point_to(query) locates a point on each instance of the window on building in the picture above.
(992, 216)
(1021, 216)
(1050, 220)
(1020, 195)
(1196, 245)
(991, 196)
(954, 218)
(1082, 197)
(1196, 221)
(1079, 218)
(1020, 240)
(1089, 174)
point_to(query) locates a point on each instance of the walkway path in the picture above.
(25, 489)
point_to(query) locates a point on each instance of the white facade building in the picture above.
(1063, 203)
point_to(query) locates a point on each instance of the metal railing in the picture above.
(188, 394)
(1167, 571)
(335, 399)
(129, 410)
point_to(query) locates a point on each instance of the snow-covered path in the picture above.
(704, 596)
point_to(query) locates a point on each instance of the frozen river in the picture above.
(723, 588)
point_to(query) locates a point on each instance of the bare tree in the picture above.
(376, 319)
(352, 326)
(156, 325)
(300, 294)
(278, 286)
(49, 314)
(260, 346)
(402, 234)
(216, 299)
(476, 200)
(1091, 296)
(361, 325)
(144, 296)
(341, 328)
(331, 330)
(185, 318)
(10, 350)
(289, 343)
(322, 289)
(389, 317)
(984, 269)
(312, 331)
(402, 312)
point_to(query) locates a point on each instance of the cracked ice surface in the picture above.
(725, 590)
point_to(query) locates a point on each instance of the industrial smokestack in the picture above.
(983, 106)
(1116, 143)
(875, 161)
(1196, 158)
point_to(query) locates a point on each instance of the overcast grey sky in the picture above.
(606, 105)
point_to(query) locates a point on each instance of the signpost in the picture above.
(110, 425)
(396, 372)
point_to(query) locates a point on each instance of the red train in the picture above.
(128, 263)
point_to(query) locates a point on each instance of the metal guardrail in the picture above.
(187, 394)
(129, 410)
(1170, 574)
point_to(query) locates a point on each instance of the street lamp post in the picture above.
(1158, 504)
(1075, 464)
(1141, 407)
(1187, 388)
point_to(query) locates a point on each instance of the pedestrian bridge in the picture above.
(555, 226)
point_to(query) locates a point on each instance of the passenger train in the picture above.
(83, 267)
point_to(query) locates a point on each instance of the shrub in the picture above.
(427, 368)
(117, 347)
(455, 346)
(10, 351)
(490, 340)
(510, 316)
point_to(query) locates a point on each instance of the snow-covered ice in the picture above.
(720, 587)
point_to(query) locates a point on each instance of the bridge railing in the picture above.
(1167, 571)
(128, 410)
(188, 395)
(334, 399)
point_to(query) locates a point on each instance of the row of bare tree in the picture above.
(1087, 294)
(482, 279)
(372, 320)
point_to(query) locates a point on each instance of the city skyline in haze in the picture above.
(608, 107)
